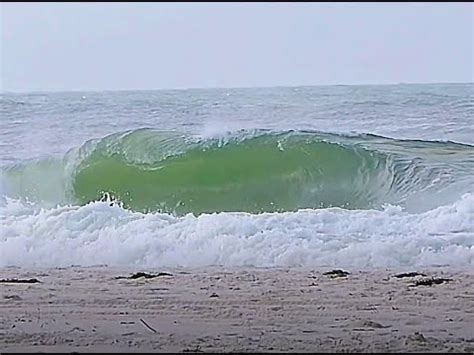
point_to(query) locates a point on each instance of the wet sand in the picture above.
(89, 309)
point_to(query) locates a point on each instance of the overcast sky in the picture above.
(116, 46)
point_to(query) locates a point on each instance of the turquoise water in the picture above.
(370, 175)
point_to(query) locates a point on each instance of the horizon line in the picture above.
(51, 91)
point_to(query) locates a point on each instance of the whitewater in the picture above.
(346, 176)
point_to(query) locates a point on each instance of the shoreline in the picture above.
(236, 309)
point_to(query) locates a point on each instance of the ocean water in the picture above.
(343, 176)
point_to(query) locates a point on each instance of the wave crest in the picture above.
(259, 171)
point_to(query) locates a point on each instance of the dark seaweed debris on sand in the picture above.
(19, 281)
(148, 326)
(336, 273)
(409, 274)
(144, 275)
(430, 282)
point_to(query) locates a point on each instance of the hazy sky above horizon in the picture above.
(117, 46)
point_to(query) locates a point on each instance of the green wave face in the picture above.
(147, 171)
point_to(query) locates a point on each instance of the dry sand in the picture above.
(87, 309)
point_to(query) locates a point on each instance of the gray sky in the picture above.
(98, 46)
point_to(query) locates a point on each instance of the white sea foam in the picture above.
(99, 233)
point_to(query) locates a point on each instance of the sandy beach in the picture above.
(86, 309)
